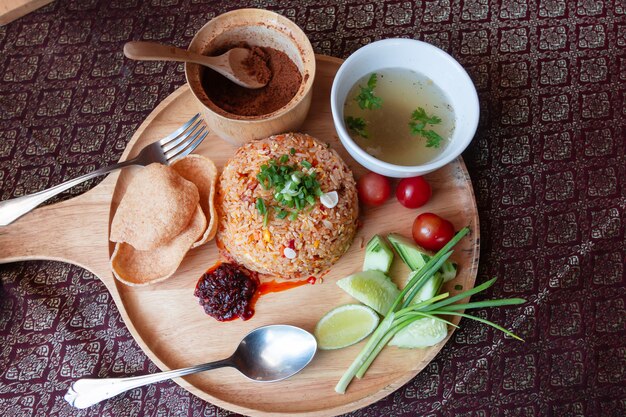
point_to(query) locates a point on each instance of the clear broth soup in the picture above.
(389, 134)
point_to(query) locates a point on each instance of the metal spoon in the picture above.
(231, 64)
(267, 354)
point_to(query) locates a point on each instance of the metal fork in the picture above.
(165, 151)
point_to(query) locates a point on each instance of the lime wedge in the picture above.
(373, 288)
(344, 326)
(420, 334)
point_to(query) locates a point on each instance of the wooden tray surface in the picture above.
(11, 10)
(171, 327)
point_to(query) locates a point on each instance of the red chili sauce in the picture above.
(226, 291)
(274, 286)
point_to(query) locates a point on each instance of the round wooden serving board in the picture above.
(172, 328)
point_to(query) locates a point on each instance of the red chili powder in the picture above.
(257, 65)
(284, 82)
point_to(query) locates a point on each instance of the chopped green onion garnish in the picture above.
(291, 187)
(260, 205)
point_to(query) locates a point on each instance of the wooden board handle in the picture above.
(69, 231)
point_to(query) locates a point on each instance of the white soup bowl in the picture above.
(427, 60)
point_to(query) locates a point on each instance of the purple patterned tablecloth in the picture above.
(547, 165)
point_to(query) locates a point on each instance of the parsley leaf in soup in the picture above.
(367, 99)
(419, 121)
(357, 125)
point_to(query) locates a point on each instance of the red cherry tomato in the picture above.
(431, 231)
(413, 192)
(373, 188)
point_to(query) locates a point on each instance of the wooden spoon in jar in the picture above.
(233, 65)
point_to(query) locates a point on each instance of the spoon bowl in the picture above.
(275, 352)
(267, 354)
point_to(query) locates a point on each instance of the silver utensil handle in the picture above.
(89, 391)
(11, 210)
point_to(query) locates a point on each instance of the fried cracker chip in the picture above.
(203, 173)
(136, 267)
(157, 206)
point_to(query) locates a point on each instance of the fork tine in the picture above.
(189, 139)
(183, 138)
(190, 148)
(178, 131)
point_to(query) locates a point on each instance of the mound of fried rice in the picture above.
(319, 235)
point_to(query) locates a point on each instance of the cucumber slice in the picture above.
(448, 271)
(408, 252)
(420, 334)
(429, 289)
(416, 257)
(378, 255)
(372, 288)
